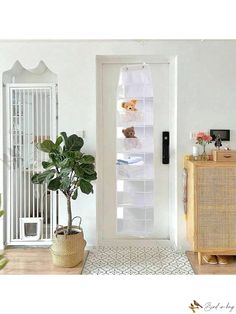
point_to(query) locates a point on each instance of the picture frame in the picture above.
(224, 134)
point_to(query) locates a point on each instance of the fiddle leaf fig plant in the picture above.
(67, 169)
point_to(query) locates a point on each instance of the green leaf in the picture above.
(35, 179)
(87, 159)
(70, 154)
(78, 155)
(59, 141)
(65, 183)
(65, 172)
(75, 194)
(47, 164)
(55, 157)
(1, 213)
(43, 177)
(90, 177)
(79, 171)
(59, 149)
(65, 163)
(46, 146)
(64, 137)
(74, 143)
(50, 176)
(54, 184)
(85, 186)
(88, 168)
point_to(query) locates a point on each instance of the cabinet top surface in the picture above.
(210, 163)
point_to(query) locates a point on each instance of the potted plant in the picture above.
(67, 170)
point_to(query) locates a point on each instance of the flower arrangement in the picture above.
(203, 139)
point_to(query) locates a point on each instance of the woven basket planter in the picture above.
(68, 250)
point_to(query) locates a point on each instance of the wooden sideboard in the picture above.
(211, 207)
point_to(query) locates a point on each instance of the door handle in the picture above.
(165, 147)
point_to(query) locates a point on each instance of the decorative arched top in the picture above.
(19, 74)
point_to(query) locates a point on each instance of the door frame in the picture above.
(173, 218)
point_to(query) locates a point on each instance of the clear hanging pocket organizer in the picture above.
(134, 168)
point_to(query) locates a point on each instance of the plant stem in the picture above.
(204, 148)
(69, 225)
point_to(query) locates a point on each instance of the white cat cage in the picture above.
(31, 117)
(135, 170)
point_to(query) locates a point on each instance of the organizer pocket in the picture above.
(135, 145)
(135, 199)
(131, 227)
(133, 172)
(126, 117)
(136, 221)
(134, 118)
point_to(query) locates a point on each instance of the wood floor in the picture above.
(205, 269)
(35, 261)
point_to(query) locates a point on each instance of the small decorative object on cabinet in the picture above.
(218, 142)
(203, 139)
(195, 151)
(67, 170)
(224, 155)
(211, 207)
(224, 134)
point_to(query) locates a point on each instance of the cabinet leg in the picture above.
(199, 255)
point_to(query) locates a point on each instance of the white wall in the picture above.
(206, 94)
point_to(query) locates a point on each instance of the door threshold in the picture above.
(136, 243)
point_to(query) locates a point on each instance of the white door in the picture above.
(116, 222)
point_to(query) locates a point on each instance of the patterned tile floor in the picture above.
(136, 261)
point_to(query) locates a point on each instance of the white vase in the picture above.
(195, 151)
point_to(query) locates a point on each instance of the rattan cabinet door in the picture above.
(216, 207)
